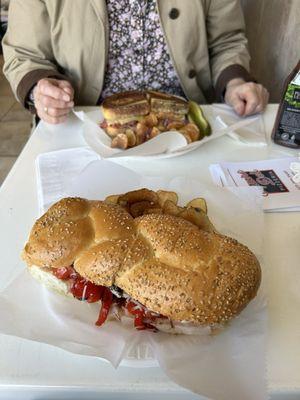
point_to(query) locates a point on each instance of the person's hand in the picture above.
(246, 98)
(53, 100)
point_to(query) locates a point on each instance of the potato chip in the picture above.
(113, 199)
(138, 195)
(171, 208)
(198, 203)
(139, 208)
(164, 195)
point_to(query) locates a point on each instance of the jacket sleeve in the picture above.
(27, 49)
(227, 43)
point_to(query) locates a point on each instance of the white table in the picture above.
(38, 371)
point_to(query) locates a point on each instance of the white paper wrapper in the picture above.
(228, 366)
(172, 144)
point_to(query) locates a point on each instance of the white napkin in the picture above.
(249, 131)
(55, 170)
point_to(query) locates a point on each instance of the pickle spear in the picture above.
(195, 115)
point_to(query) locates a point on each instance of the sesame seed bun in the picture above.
(45, 277)
(165, 262)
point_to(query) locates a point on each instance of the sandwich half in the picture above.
(131, 118)
(161, 270)
(123, 111)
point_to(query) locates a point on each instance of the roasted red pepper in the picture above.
(86, 290)
(83, 289)
(63, 273)
(103, 124)
(94, 292)
(140, 314)
(77, 288)
(139, 320)
(133, 308)
(107, 300)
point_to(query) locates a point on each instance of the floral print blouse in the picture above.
(138, 54)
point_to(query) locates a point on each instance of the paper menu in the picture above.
(274, 176)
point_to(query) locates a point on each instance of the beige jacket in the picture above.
(69, 39)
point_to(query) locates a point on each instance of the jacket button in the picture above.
(192, 74)
(174, 13)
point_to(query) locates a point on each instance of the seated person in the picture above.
(59, 53)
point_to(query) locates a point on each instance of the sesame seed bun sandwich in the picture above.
(161, 270)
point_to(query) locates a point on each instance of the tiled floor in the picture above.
(15, 126)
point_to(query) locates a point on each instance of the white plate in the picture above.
(140, 356)
(166, 145)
